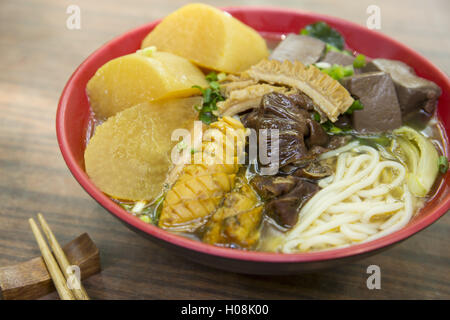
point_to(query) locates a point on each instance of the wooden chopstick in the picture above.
(52, 266)
(78, 291)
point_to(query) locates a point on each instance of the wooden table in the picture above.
(38, 54)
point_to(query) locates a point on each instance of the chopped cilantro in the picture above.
(329, 127)
(211, 95)
(316, 116)
(321, 30)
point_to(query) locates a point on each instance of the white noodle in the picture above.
(355, 204)
(348, 231)
(382, 209)
(365, 228)
(355, 198)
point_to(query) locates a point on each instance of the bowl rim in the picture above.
(228, 253)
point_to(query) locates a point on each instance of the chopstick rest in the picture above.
(58, 278)
(78, 290)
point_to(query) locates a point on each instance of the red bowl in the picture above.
(73, 117)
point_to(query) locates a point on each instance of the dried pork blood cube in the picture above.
(334, 57)
(413, 92)
(301, 48)
(377, 94)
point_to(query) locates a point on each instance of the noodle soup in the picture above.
(307, 147)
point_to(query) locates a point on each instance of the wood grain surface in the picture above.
(37, 56)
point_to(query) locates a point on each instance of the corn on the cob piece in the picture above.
(200, 188)
(237, 222)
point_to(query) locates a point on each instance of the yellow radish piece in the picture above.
(208, 37)
(128, 157)
(141, 77)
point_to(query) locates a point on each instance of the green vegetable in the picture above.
(221, 76)
(321, 30)
(127, 206)
(208, 111)
(335, 129)
(145, 218)
(420, 157)
(212, 76)
(337, 71)
(207, 117)
(375, 140)
(153, 211)
(360, 61)
(316, 116)
(329, 127)
(356, 105)
(214, 85)
(443, 164)
(330, 47)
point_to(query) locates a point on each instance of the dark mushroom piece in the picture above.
(285, 195)
(284, 210)
(314, 171)
(300, 137)
(269, 187)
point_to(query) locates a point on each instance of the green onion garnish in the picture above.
(360, 61)
(356, 105)
(208, 111)
(328, 126)
(336, 71)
